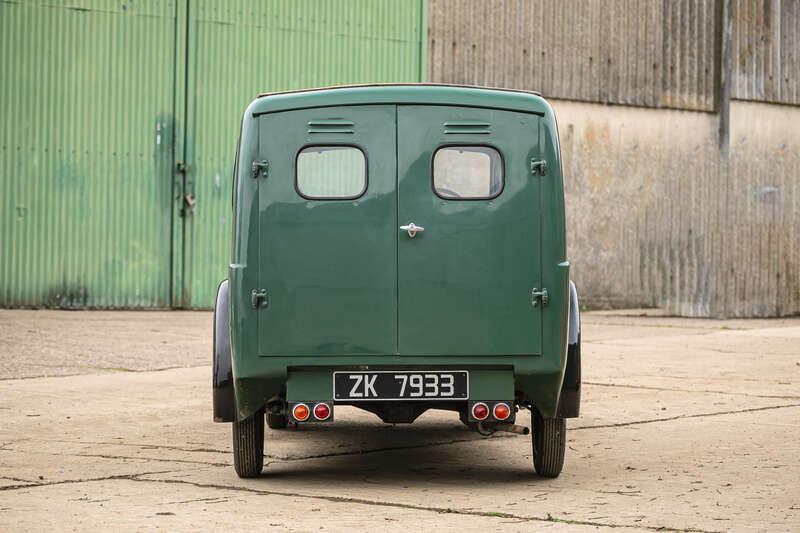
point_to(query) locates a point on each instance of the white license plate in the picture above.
(381, 385)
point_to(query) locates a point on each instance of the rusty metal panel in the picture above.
(766, 50)
(238, 49)
(654, 54)
(85, 152)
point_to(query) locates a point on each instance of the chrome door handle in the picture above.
(412, 229)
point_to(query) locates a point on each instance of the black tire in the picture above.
(277, 421)
(549, 444)
(248, 445)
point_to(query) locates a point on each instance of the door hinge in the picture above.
(539, 296)
(258, 298)
(260, 168)
(538, 167)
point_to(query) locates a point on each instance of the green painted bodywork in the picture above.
(348, 290)
(464, 285)
(329, 266)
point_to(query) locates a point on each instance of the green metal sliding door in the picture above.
(87, 90)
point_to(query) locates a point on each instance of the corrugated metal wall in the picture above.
(654, 53)
(766, 50)
(760, 232)
(658, 53)
(85, 153)
(101, 98)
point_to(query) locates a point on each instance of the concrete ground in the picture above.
(105, 423)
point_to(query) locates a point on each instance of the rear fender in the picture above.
(222, 378)
(569, 404)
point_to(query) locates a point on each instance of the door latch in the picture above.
(258, 298)
(260, 168)
(538, 167)
(190, 202)
(539, 296)
(412, 229)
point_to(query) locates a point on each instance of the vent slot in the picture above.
(331, 125)
(467, 127)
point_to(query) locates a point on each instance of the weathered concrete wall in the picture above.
(657, 216)
(763, 213)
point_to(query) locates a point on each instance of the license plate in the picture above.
(400, 385)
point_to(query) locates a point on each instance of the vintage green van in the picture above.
(398, 248)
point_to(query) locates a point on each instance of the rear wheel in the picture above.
(277, 421)
(549, 444)
(248, 445)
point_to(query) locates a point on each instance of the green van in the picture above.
(398, 248)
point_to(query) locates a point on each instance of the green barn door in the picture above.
(327, 216)
(220, 82)
(87, 92)
(237, 49)
(465, 282)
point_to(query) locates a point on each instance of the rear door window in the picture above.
(467, 172)
(331, 172)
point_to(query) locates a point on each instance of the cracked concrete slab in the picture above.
(686, 424)
(184, 506)
(181, 432)
(668, 476)
(56, 343)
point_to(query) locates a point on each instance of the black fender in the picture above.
(222, 378)
(569, 404)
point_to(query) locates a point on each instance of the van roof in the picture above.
(401, 93)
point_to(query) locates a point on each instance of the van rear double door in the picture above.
(342, 278)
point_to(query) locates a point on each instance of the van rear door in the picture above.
(465, 280)
(327, 219)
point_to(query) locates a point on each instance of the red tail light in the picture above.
(502, 411)
(480, 411)
(300, 412)
(322, 411)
